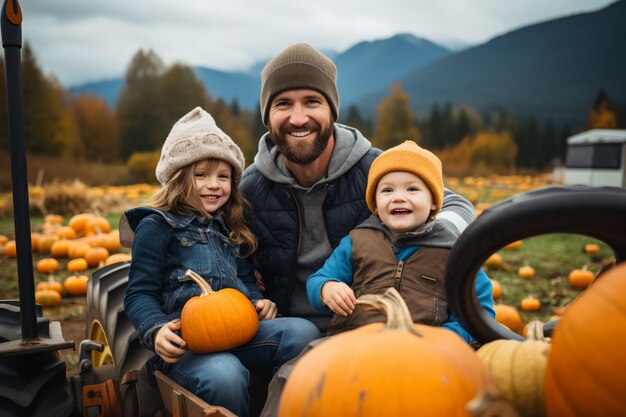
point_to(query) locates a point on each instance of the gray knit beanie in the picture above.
(299, 66)
(193, 138)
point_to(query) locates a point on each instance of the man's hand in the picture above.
(167, 344)
(338, 297)
(266, 309)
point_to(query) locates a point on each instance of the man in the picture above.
(307, 184)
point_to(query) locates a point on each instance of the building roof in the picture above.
(598, 136)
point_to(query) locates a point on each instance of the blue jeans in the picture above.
(222, 378)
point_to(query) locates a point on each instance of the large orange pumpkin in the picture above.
(585, 371)
(96, 255)
(393, 369)
(47, 265)
(217, 320)
(580, 278)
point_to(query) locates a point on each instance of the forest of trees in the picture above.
(85, 128)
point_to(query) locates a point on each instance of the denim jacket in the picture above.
(164, 246)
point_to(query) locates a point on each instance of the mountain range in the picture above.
(554, 68)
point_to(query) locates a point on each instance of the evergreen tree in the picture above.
(139, 120)
(354, 119)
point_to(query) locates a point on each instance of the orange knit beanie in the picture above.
(408, 157)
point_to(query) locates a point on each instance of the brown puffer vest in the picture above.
(419, 279)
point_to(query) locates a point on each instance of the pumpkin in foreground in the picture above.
(217, 320)
(585, 371)
(393, 369)
(518, 367)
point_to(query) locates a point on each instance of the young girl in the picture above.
(196, 222)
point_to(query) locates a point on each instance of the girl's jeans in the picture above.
(222, 378)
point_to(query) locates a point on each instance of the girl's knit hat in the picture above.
(408, 157)
(196, 137)
(299, 66)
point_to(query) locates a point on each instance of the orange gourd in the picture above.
(580, 278)
(66, 232)
(585, 371)
(50, 284)
(513, 245)
(94, 256)
(97, 225)
(60, 248)
(47, 265)
(78, 221)
(509, 317)
(217, 320)
(10, 249)
(76, 284)
(77, 265)
(386, 369)
(117, 257)
(3, 239)
(530, 304)
(45, 242)
(78, 249)
(496, 289)
(494, 261)
(47, 297)
(591, 248)
(526, 272)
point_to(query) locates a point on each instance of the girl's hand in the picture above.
(338, 297)
(266, 309)
(168, 345)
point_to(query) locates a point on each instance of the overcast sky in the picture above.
(89, 40)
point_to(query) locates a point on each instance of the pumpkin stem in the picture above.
(393, 306)
(204, 286)
(535, 331)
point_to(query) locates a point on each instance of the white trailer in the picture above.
(596, 157)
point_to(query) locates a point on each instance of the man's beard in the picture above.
(300, 151)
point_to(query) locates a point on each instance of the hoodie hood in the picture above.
(350, 147)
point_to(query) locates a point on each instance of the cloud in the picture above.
(80, 41)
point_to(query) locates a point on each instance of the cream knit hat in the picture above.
(193, 138)
(299, 66)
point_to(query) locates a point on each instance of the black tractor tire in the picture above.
(108, 324)
(597, 212)
(31, 383)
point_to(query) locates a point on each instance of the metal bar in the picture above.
(10, 22)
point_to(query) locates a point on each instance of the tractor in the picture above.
(112, 379)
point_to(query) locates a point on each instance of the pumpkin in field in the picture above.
(66, 232)
(526, 272)
(77, 265)
(97, 225)
(496, 289)
(78, 222)
(47, 265)
(78, 249)
(508, 316)
(10, 249)
(117, 257)
(585, 372)
(217, 320)
(591, 248)
(60, 248)
(47, 298)
(513, 245)
(530, 304)
(517, 368)
(94, 256)
(494, 261)
(580, 278)
(3, 239)
(76, 284)
(50, 284)
(393, 369)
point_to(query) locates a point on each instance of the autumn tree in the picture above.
(236, 128)
(395, 120)
(485, 153)
(603, 114)
(139, 118)
(97, 129)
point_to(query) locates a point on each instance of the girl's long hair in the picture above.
(180, 196)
